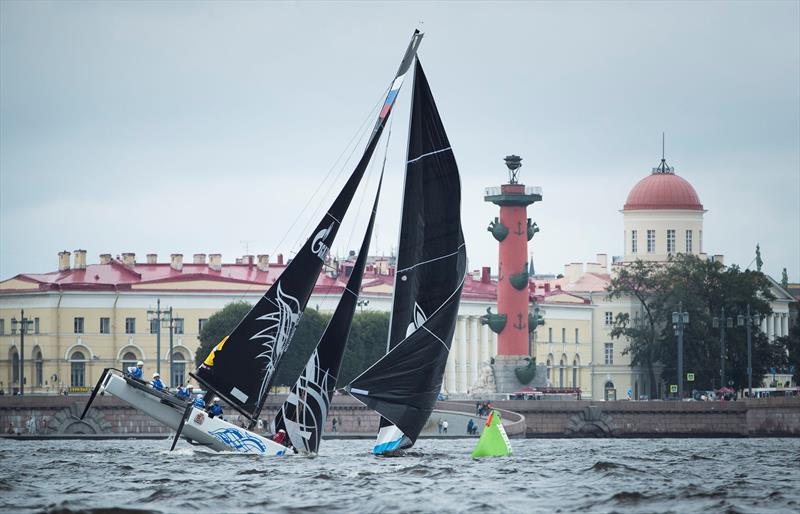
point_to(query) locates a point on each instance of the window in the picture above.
(609, 318)
(128, 360)
(38, 372)
(670, 241)
(154, 326)
(15, 368)
(688, 241)
(609, 353)
(550, 334)
(549, 369)
(651, 241)
(563, 335)
(633, 241)
(178, 325)
(178, 369)
(130, 325)
(77, 325)
(2, 327)
(105, 325)
(561, 373)
(200, 324)
(78, 370)
(36, 325)
(575, 373)
(700, 242)
(576, 336)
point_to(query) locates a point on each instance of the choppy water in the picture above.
(561, 475)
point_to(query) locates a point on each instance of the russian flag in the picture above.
(390, 98)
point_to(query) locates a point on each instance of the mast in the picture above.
(241, 368)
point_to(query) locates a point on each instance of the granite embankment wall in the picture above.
(763, 417)
(744, 418)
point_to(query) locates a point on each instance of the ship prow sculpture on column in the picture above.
(515, 320)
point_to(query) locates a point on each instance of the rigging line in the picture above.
(427, 154)
(430, 260)
(357, 136)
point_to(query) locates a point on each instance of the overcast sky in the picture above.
(195, 127)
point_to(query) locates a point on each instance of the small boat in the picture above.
(240, 369)
(494, 441)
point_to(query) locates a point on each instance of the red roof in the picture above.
(663, 191)
(154, 277)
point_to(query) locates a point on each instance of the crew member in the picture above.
(215, 409)
(279, 436)
(183, 393)
(136, 371)
(157, 384)
(199, 402)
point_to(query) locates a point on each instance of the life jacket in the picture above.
(157, 384)
(135, 372)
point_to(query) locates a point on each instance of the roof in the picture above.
(663, 191)
(116, 276)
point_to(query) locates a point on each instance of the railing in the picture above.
(529, 190)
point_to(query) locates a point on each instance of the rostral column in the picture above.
(513, 322)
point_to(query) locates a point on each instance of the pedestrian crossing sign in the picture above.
(673, 388)
(690, 377)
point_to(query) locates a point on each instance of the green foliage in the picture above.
(701, 288)
(219, 325)
(366, 344)
(791, 346)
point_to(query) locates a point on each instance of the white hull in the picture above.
(214, 433)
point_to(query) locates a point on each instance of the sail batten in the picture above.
(242, 366)
(431, 266)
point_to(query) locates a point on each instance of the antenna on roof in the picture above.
(663, 168)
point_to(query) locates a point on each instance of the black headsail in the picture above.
(304, 413)
(242, 366)
(404, 384)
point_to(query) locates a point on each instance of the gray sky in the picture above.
(189, 127)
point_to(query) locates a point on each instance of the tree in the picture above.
(219, 325)
(366, 343)
(791, 346)
(702, 288)
(641, 280)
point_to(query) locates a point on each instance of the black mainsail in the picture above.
(305, 410)
(404, 384)
(242, 366)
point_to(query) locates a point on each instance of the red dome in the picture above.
(663, 191)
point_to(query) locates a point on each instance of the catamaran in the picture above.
(404, 384)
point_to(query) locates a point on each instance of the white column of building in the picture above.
(763, 324)
(769, 328)
(450, 371)
(485, 344)
(473, 349)
(776, 326)
(784, 324)
(462, 355)
(493, 346)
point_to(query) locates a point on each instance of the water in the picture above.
(555, 475)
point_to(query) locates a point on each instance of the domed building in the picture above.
(662, 216)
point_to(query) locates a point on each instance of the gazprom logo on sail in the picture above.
(318, 246)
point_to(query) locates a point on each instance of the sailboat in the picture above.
(241, 368)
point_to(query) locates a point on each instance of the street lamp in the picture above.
(158, 315)
(679, 319)
(23, 325)
(748, 321)
(721, 323)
